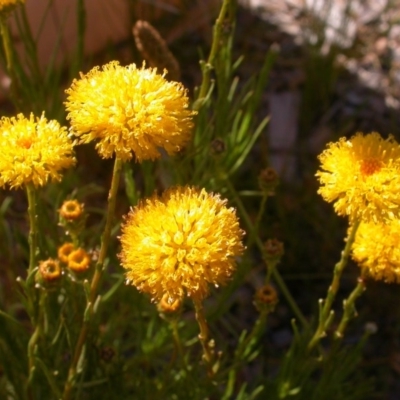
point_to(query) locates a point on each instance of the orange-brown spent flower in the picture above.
(107, 354)
(168, 305)
(79, 260)
(71, 210)
(274, 249)
(64, 251)
(218, 147)
(50, 270)
(266, 296)
(268, 180)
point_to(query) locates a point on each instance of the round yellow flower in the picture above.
(129, 111)
(376, 250)
(362, 177)
(33, 151)
(8, 5)
(180, 243)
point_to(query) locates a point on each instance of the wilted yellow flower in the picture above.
(33, 151)
(376, 250)
(129, 111)
(362, 176)
(71, 210)
(180, 243)
(64, 251)
(8, 5)
(49, 270)
(78, 260)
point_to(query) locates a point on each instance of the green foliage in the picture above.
(130, 350)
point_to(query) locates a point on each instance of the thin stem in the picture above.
(326, 313)
(254, 232)
(216, 43)
(177, 339)
(33, 226)
(275, 273)
(349, 310)
(208, 351)
(8, 51)
(105, 240)
(245, 347)
(38, 322)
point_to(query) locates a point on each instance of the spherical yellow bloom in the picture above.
(129, 111)
(8, 5)
(64, 251)
(78, 260)
(33, 151)
(179, 243)
(376, 249)
(362, 177)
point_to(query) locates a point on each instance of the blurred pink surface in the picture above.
(108, 21)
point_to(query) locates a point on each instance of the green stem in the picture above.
(275, 273)
(8, 51)
(326, 313)
(254, 232)
(105, 240)
(33, 226)
(207, 67)
(208, 351)
(245, 347)
(177, 339)
(38, 322)
(349, 310)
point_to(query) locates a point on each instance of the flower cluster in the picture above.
(33, 151)
(362, 177)
(180, 243)
(129, 111)
(77, 260)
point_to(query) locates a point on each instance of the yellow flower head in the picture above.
(129, 111)
(362, 177)
(376, 250)
(33, 151)
(78, 260)
(180, 243)
(71, 210)
(8, 5)
(64, 251)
